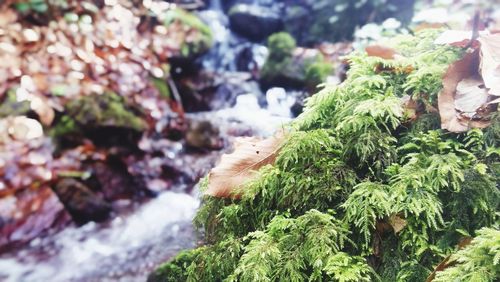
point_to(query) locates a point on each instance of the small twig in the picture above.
(175, 92)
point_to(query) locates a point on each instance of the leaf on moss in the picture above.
(470, 96)
(381, 52)
(239, 167)
(458, 38)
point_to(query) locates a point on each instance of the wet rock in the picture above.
(114, 180)
(253, 21)
(106, 119)
(29, 213)
(81, 202)
(315, 21)
(191, 4)
(209, 91)
(203, 135)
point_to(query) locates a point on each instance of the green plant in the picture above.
(281, 46)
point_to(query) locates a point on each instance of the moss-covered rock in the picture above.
(292, 67)
(106, 119)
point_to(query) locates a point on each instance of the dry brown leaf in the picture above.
(410, 107)
(490, 62)
(239, 167)
(40, 105)
(381, 52)
(461, 69)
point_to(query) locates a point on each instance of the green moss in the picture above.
(317, 72)
(175, 270)
(282, 68)
(196, 45)
(11, 107)
(281, 46)
(108, 109)
(354, 168)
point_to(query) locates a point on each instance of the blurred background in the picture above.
(111, 111)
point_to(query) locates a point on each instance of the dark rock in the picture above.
(81, 202)
(114, 180)
(203, 135)
(191, 4)
(209, 91)
(316, 21)
(254, 22)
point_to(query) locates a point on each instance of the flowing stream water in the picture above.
(129, 246)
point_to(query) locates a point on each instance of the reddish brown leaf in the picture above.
(381, 52)
(239, 167)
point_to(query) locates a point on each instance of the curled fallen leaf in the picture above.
(451, 119)
(239, 167)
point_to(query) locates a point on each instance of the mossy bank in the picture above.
(363, 189)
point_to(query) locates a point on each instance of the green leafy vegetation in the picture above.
(362, 192)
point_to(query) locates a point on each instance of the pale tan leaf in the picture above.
(239, 167)
(459, 38)
(490, 62)
(41, 107)
(397, 223)
(470, 96)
